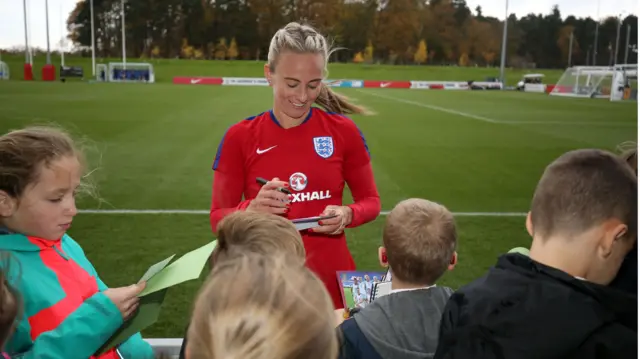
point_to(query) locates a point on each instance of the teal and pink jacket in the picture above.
(66, 315)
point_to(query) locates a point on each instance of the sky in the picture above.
(12, 16)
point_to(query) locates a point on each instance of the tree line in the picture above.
(435, 32)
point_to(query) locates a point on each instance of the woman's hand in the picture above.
(337, 224)
(270, 200)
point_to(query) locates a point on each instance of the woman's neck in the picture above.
(287, 121)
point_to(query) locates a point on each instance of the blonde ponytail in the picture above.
(333, 102)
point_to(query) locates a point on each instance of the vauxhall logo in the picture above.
(298, 182)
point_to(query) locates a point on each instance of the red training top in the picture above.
(317, 158)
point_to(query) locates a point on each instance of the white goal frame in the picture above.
(596, 77)
(4, 71)
(111, 68)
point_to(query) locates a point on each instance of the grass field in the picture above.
(479, 153)
(166, 69)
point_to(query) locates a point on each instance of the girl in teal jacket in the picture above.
(68, 311)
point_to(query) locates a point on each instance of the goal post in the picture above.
(585, 81)
(4, 71)
(624, 85)
(140, 72)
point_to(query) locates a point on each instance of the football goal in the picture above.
(125, 72)
(613, 82)
(584, 81)
(4, 71)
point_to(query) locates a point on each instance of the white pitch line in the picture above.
(432, 107)
(202, 212)
(491, 120)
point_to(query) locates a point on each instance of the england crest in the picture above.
(323, 146)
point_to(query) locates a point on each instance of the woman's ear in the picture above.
(267, 73)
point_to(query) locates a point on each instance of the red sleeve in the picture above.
(228, 178)
(359, 177)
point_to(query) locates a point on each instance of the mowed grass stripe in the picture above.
(202, 211)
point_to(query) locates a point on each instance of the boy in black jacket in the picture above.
(556, 303)
(419, 246)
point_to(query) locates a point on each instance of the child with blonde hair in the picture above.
(257, 232)
(69, 311)
(271, 307)
(260, 233)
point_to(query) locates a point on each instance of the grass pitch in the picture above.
(152, 146)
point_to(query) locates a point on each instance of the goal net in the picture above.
(624, 85)
(102, 72)
(585, 81)
(126, 72)
(4, 71)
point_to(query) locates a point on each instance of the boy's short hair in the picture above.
(420, 238)
(255, 232)
(582, 189)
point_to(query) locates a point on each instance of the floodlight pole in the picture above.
(615, 58)
(62, 38)
(26, 36)
(93, 42)
(570, 50)
(595, 41)
(124, 41)
(46, 11)
(626, 48)
(503, 58)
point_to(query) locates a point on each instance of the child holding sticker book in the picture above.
(313, 152)
(68, 311)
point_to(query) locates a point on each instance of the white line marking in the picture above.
(491, 120)
(201, 212)
(574, 123)
(432, 107)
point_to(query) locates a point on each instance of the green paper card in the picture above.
(154, 269)
(159, 278)
(147, 314)
(188, 267)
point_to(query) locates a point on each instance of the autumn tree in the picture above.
(221, 49)
(368, 53)
(485, 37)
(159, 29)
(464, 60)
(358, 58)
(398, 25)
(232, 52)
(420, 56)
(187, 50)
(564, 42)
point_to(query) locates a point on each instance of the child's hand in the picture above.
(126, 298)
